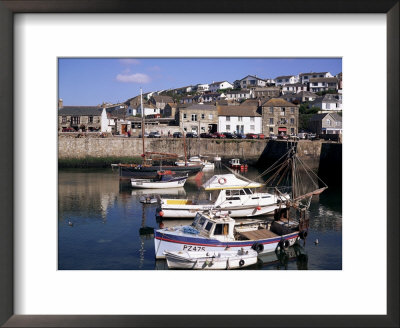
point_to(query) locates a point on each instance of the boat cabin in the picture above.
(235, 162)
(215, 227)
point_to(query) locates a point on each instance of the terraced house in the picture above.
(279, 117)
(198, 118)
(79, 118)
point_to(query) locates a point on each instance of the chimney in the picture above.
(60, 103)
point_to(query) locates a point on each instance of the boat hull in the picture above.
(150, 172)
(165, 242)
(148, 184)
(214, 261)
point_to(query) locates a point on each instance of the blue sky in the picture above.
(91, 81)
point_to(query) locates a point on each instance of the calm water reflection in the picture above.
(111, 227)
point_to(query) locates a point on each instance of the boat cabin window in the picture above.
(202, 220)
(221, 229)
(198, 221)
(248, 191)
(208, 226)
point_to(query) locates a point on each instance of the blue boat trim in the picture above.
(216, 243)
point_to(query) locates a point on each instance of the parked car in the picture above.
(177, 135)
(229, 135)
(240, 136)
(146, 135)
(205, 135)
(218, 135)
(154, 135)
(261, 136)
(191, 135)
(251, 136)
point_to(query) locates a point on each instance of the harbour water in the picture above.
(102, 225)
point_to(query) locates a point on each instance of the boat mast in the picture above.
(141, 108)
(184, 146)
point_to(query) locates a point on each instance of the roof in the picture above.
(277, 102)
(119, 113)
(253, 76)
(230, 110)
(302, 74)
(284, 77)
(319, 117)
(211, 95)
(201, 107)
(164, 99)
(249, 102)
(295, 85)
(306, 93)
(218, 82)
(333, 98)
(80, 110)
(324, 79)
(267, 89)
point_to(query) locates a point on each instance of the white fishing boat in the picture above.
(196, 160)
(236, 196)
(164, 179)
(215, 231)
(235, 163)
(220, 260)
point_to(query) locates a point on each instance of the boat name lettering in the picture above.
(193, 248)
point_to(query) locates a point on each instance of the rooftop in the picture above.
(277, 102)
(230, 110)
(80, 110)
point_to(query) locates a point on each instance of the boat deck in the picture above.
(258, 234)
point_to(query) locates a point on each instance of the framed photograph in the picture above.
(53, 221)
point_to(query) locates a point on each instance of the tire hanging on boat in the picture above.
(241, 263)
(286, 243)
(258, 247)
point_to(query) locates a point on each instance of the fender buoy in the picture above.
(303, 234)
(286, 243)
(241, 263)
(258, 208)
(221, 181)
(161, 213)
(258, 247)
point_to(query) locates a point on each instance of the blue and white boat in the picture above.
(216, 231)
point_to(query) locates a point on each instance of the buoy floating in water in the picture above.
(316, 242)
(70, 223)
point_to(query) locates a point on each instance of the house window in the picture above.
(291, 130)
(271, 130)
(194, 117)
(184, 115)
(202, 116)
(252, 127)
(228, 118)
(75, 120)
(271, 110)
(210, 116)
(64, 119)
(292, 121)
(283, 121)
(251, 119)
(228, 128)
(155, 110)
(240, 118)
(292, 110)
(328, 122)
(271, 120)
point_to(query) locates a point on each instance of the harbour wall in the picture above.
(321, 156)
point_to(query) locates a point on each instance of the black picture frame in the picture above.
(7, 10)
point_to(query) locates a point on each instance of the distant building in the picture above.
(79, 118)
(328, 103)
(300, 97)
(327, 123)
(267, 92)
(203, 87)
(279, 117)
(239, 119)
(250, 81)
(294, 88)
(286, 79)
(159, 101)
(198, 118)
(211, 97)
(238, 94)
(215, 86)
(305, 77)
(323, 84)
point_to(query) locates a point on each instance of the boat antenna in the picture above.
(141, 108)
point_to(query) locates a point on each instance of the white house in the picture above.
(305, 77)
(149, 109)
(293, 88)
(251, 81)
(286, 79)
(239, 94)
(323, 84)
(210, 97)
(328, 103)
(203, 87)
(239, 119)
(215, 86)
